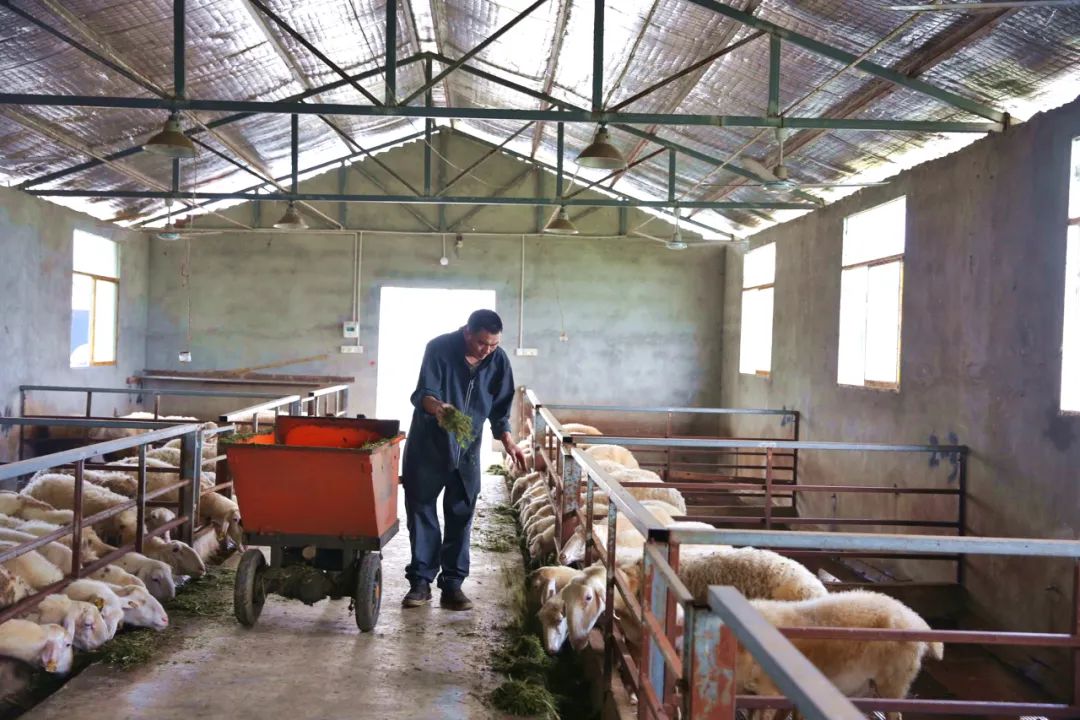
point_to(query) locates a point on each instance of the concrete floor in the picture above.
(312, 662)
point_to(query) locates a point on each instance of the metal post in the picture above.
(76, 520)
(598, 56)
(571, 483)
(179, 69)
(295, 151)
(671, 629)
(176, 176)
(342, 181)
(22, 434)
(667, 452)
(1076, 631)
(559, 139)
(657, 592)
(671, 176)
(538, 211)
(429, 125)
(89, 402)
(190, 465)
(589, 543)
(391, 53)
(795, 466)
(768, 488)
(609, 604)
(140, 501)
(157, 405)
(774, 75)
(710, 667)
(961, 520)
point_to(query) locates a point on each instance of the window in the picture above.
(1070, 346)
(755, 344)
(95, 288)
(871, 288)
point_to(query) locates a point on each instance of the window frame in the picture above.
(897, 258)
(91, 335)
(1072, 237)
(758, 372)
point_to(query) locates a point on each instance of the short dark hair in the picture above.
(485, 320)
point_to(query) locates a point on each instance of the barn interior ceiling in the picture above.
(697, 95)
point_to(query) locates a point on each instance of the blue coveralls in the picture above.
(434, 462)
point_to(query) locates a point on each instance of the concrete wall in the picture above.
(35, 295)
(640, 319)
(981, 358)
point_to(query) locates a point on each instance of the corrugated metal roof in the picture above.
(1016, 60)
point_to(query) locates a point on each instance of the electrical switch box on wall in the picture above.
(527, 352)
(352, 349)
(350, 329)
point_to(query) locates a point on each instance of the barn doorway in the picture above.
(408, 319)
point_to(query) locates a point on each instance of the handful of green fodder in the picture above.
(456, 422)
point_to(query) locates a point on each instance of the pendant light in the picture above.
(291, 220)
(601, 153)
(676, 242)
(560, 224)
(169, 232)
(171, 141)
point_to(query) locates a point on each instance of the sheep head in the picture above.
(553, 623)
(56, 651)
(584, 601)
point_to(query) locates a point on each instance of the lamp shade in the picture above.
(601, 153)
(560, 224)
(171, 141)
(676, 242)
(291, 220)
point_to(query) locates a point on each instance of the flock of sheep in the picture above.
(570, 600)
(86, 613)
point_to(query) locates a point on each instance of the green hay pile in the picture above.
(499, 470)
(130, 649)
(500, 535)
(524, 660)
(460, 425)
(375, 444)
(238, 437)
(524, 699)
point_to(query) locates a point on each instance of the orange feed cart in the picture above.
(322, 494)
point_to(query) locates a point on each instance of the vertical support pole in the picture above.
(89, 402)
(961, 519)
(179, 42)
(256, 211)
(768, 487)
(658, 600)
(429, 125)
(671, 177)
(76, 521)
(589, 492)
(795, 466)
(667, 451)
(22, 413)
(157, 406)
(295, 151)
(598, 56)
(391, 53)
(140, 501)
(671, 629)
(175, 184)
(1075, 628)
(190, 465)
(709, 667)
(538, 210)
(624, 219)
(342, 181)
(571, 483)
(645, 602)
(559, 140)
(609, 597)
(774, 75)
(443, 140)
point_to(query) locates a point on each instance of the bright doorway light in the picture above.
(409, 318)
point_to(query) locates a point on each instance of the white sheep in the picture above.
(47, 646)
(12, 588)
(626, 475)
(545, 582)
(112, 433)
(885, 667)
(614, 453)
(116, 575)
(539, 522)
(627, 537)
(156, 517)
(522, 484)
(82, 620)
(101, 596)
(58, 490)
(180, 556)
(209, 447)
(157, 575)
(579, 429)
(553, 626)
(91, 546)
(35, 570)
(536, 490)
(59, 555)
(141, 609)
(669, 495)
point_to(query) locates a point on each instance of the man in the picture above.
(466, 370)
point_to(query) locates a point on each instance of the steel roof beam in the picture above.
(417, 200)
(573, 116)
(391, 52)
(844, 57)
(501, 190)
(473, 52)
(207, 127)
(382, 186)
(482, 158)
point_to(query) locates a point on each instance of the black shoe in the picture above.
(454, 599)
(419, 595)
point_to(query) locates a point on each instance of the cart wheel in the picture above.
(368, 591)
(249, 593)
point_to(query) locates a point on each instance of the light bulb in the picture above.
(444, 261)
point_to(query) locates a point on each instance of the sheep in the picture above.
(537, 489)
(626, 475)
(537, 506)
(91, 546)
(58, 490)
(627, 537)
(553, 627)
(209, 447)
(59, 555)
(887, 667)
(34, 569)
(12, 588)
(579, 429)
(101, 596)
(545, 582)
(157, 575)
(669, 495)
(224, 514)
(615, 453)
(156, 517)
(82, 620)
(141, 609)
(112, 433)
(541, 519)
(116, 575)
(522, 484)
(206, 544)
(12, 503)
(48, 646)
(171, 455)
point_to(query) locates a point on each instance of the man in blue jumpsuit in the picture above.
(466, 370)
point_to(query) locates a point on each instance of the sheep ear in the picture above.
(99, 603)
(69, 627)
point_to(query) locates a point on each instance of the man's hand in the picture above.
(513, 450)
(436, 407)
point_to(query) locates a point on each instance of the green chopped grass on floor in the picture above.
(524, 699)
